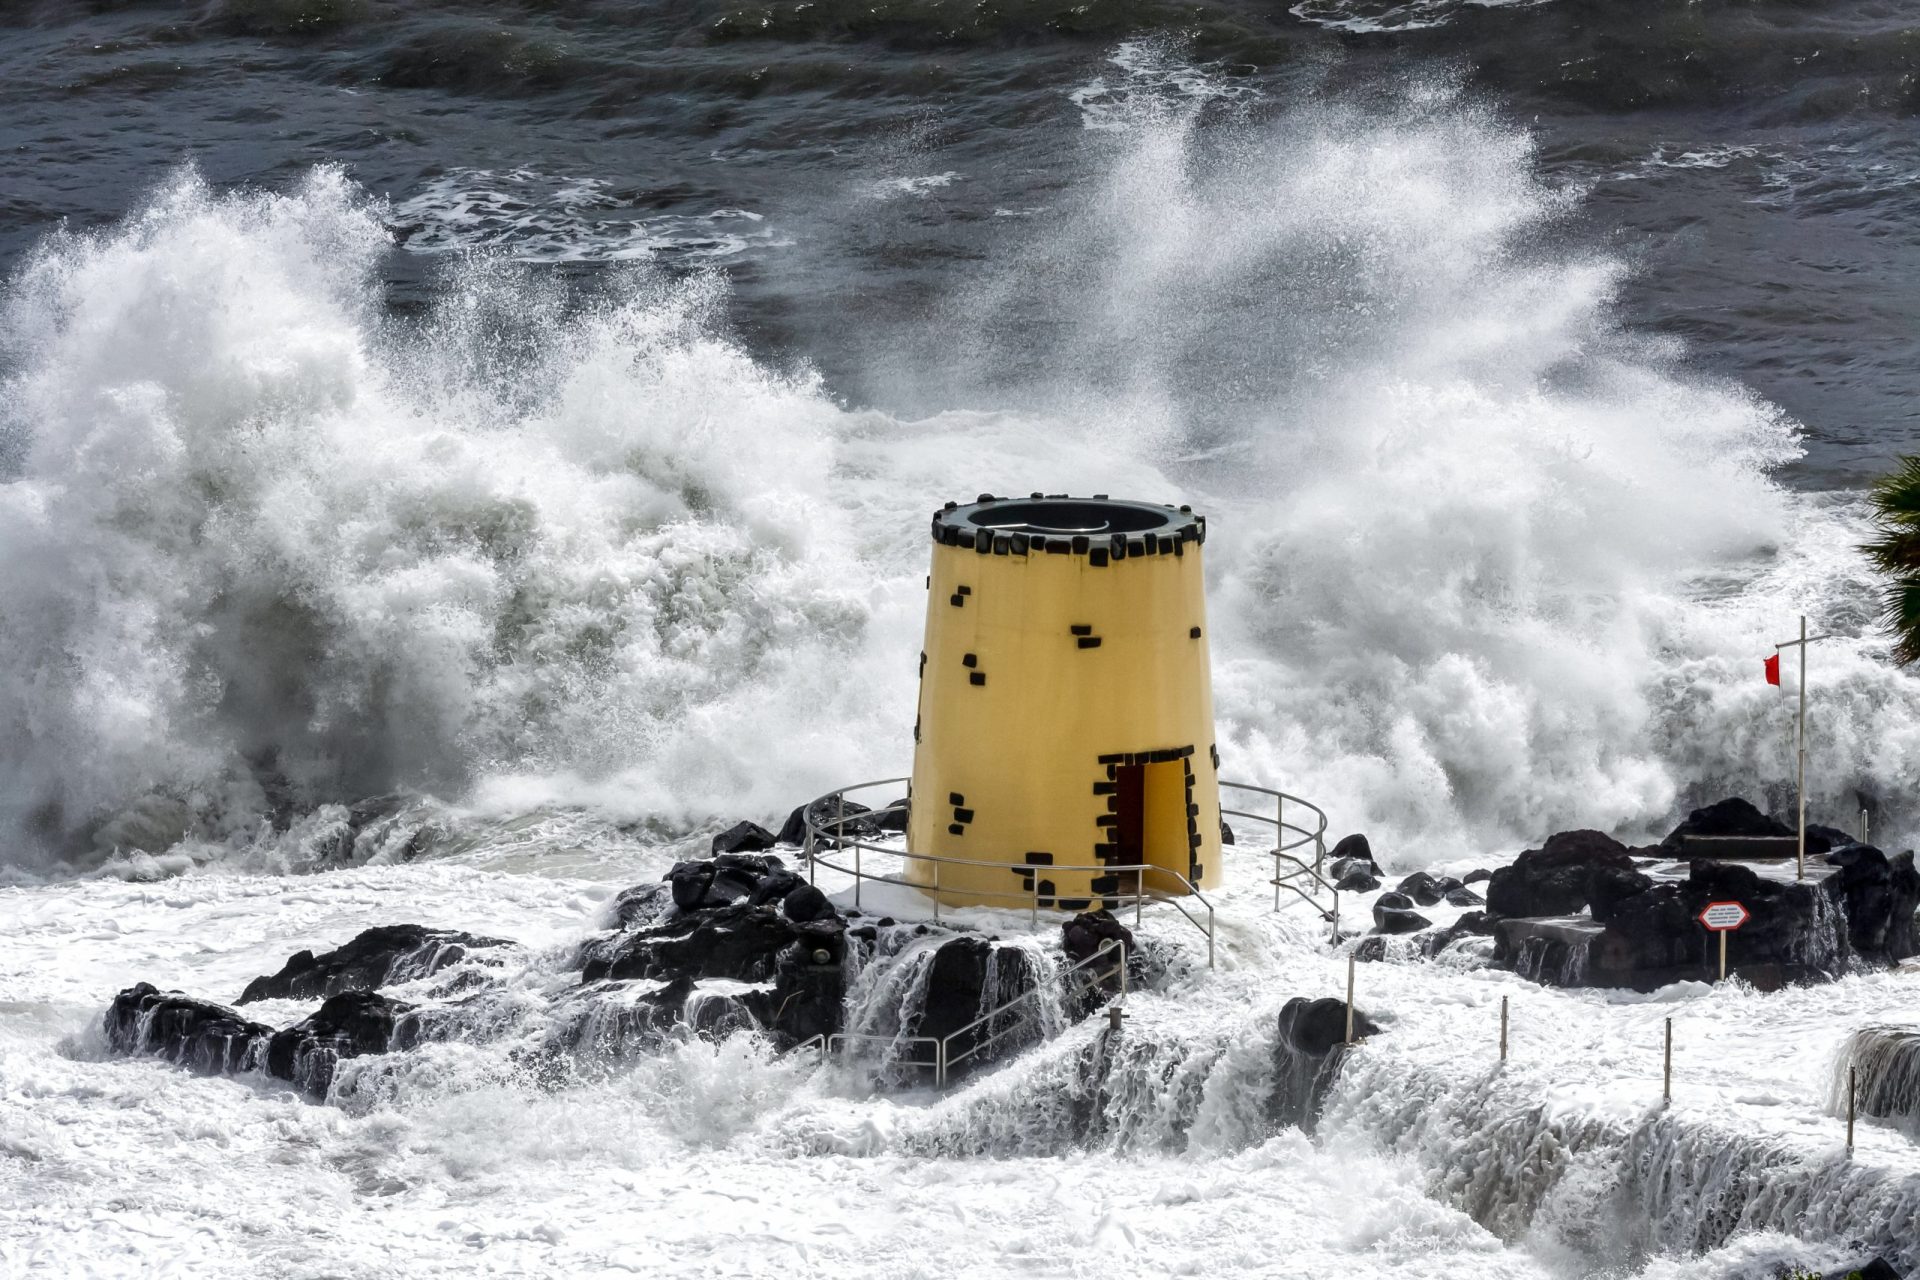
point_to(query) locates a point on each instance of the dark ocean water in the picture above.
(856, 168)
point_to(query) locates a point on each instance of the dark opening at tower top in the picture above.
(1043, 519)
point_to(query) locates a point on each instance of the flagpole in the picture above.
(1800, 783)
(1800, 739)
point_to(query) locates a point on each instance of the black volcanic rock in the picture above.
(1564, 875)
(716, 882)
(1356, 880)
(805, 904)
(743, 837)
(857, 825)
(1730, 817)
(963, 970)
(214, 1040)
(1422, 888)
(1307, 1056)
(774, 887)
(1881, 895)
(200, 1035)
(350, 1025)
(1084, 935)
(375, 957)
(1394, 913)
(1476, 876)
(1318, 1027)
(1795, 932)
(1353, 846)
(737, 941)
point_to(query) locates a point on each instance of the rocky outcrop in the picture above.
(1881, 895)
(1730, 817)
(350, 1025)
(375, 958)
(1580, 911)
(214, 1040)
(795, 963)
(204, 1037)
(743, 837)
(1307, 1054)
(967, 977)
(1567, 874)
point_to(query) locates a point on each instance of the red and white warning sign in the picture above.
(1721, 917)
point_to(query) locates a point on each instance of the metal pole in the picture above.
(936, 892)
(1801, 785)
(1336, 917)
(856, 873)
(1666, 1092)
(1723, 953)
(1349, 997)
(1033, 914)
(1503, 1028)
(806, 845)
(1139, 895)
(1863, 826)
(1853, 1080)
(1279, 838)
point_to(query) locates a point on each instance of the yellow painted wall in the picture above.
(1008, 755)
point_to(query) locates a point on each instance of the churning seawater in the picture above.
(427, 412)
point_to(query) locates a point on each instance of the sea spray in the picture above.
(1488, 563)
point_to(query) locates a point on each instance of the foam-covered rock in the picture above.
(374, 958)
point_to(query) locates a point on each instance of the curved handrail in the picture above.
(832, 834)
(1282, 850)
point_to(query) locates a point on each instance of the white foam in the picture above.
(1151, 75)
(1392, 15)
(534, 217)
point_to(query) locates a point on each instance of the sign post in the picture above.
(1723, 918)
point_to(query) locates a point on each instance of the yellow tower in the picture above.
(1065, 734)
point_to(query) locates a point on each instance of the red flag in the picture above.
(1773, 669)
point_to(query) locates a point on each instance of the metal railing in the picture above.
(833, 835)
(948, 1058)
(1289, 837)
(944, 1056)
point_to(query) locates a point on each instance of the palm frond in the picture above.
(1895, 498)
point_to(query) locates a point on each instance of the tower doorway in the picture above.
(1151, 828)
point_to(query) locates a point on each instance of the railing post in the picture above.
(1853, 1081)
(856, 874)
(1336, 917)
(1139, 895)
(1349, 997)
(840, 816)
(1666, 1091)
(1503, 1028)
(806, 823)
(1033, 913)
(936, 892)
